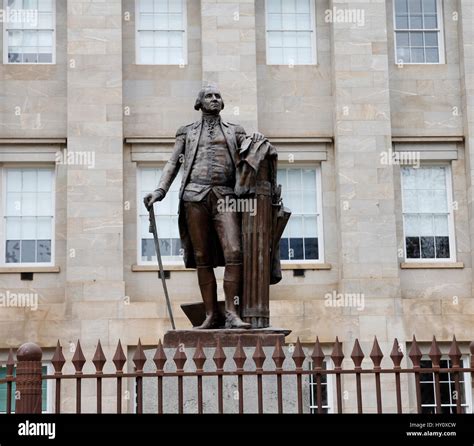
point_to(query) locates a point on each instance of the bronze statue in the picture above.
(210, 151)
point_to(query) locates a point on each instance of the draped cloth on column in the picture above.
(262, 227)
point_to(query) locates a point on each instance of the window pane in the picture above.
(175, 6)
(274, 21)
(303, 21)
(146, 38)
(442, 247)
(426, 225)
(302, 6)
(12, 251)
(413, 247)
(289, 21)
(401, 6)
(13, 228)
(28, 251)
(401, 21)
(431, 39)
(412, 225)
(417, 55)
(427, 247)
(430, 21)
(432, 55)
(403, 55)
(416, 22)
(44, 251)
(402, 39)
(13, 180)
(416, 39)
(289, 6)
(146, 5)
(414, 6)
(146, 21)
(275, 55)
(429, 6)
(274, 5)
(275, 39)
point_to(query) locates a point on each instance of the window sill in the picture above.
(155, 268)
(432, 265)
(307, 266)
(29, 269)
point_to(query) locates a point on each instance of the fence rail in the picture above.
(29, 377)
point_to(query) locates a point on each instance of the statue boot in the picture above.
(232, 291)
(208, 287)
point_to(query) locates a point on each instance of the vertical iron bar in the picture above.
(437, 391)
(139, 386)
(300, 391)
(319, 399)
(260, 393)
(160, 394)
(240, 379)
(199, 383)
(99, 394)
(220, 393)
(58, 396)
(119, 394)
(280, 391)
(78, 395)
(418, 390)
(339, 393)
(359, 392)
(180, 394)
(399, 392)
(457, 386)
(378, 392)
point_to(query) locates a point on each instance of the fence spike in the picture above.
(376, 354)
(10, 362)
(99, 358)
(415, 353)
(119, 358)
(199, 356)
(139, 357)
(219, 356)
(58, 360)
(160, 357)
(435, 353)
(78, 358)
(239, 355)
(337, 354)
(318, 355)
(454, 353)
(180, 357)
(396, 354)
(357, 354)
(278, 354)
(298, 355)
(259, 355)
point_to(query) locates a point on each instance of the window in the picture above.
(3, 391)
(427, 213)
(326, 391)
(418, 31)
(29, 34)
(301, 190)
(166, 213)
(447, 389)
(291, 33)
(28, 215)
(161, 32)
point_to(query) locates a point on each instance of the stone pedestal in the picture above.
(228, 337)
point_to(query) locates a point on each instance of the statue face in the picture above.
(212, 101)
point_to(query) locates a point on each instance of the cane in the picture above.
(152, 230)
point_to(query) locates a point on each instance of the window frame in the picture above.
(451, 224)
(3, 169)
(166, 262)
(440, 30)
(467, 384)
(314, 40)
(313, 403)
(319, 211)
(5, 40)
(185, 37)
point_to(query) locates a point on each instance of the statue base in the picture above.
(227, 337)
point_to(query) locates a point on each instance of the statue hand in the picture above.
(153, 197)
(257, 136)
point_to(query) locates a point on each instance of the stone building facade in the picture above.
(346, 110)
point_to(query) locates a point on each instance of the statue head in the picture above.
(209, 100)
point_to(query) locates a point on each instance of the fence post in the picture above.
(28, 379)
